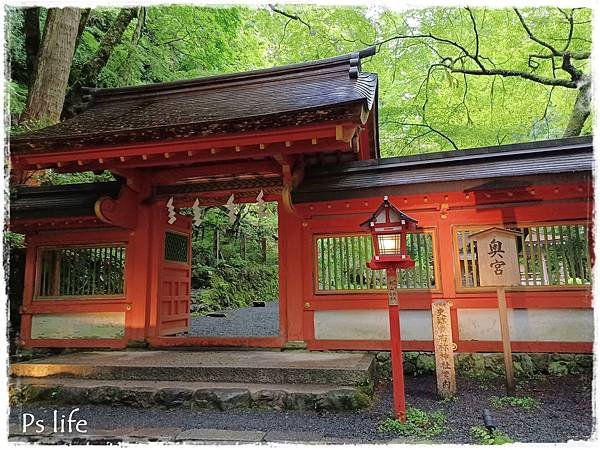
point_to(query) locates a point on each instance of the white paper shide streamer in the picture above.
(172, 213)
(197, 213)
(232, 209)
(262, 205)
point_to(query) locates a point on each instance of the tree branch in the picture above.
(289, 16)
(532, 37)
(518, 73)
(474, 31)
(569, 18)
(424, 125)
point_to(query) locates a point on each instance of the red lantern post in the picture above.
(388, 227)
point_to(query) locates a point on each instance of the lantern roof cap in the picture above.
(495, 230)
(386, 204)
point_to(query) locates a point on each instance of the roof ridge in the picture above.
(463, 155)
(248, 76)
(181, 90)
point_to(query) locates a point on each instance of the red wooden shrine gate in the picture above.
(306, 135)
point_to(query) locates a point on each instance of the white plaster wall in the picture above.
(106, 325)
(564, 325)
(371, 324)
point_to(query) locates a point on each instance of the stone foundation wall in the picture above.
(491, 365)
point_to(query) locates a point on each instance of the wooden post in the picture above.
(504, 331)
(396, 344)
(498, 263)
(55, 289)
(263, 248)
(444, 351)
(217, 246)
(243, 246)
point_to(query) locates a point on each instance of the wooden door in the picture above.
(174, 298)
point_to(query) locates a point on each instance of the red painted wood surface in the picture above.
(145, 300)
(567, 202)
(175, 284)
(32, 306)
(396, 347)
(131, 156)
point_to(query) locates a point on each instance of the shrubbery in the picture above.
(234, 264)
(232, 287)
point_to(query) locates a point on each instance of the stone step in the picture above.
(186, 394)
(335, 368)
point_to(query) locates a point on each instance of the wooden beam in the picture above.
(228, 154)
(120, 212)
(277, 136)
(169, 176)
(211, 199)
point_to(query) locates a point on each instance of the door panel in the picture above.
(174, 300)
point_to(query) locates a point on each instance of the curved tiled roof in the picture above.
(298, 94)
(339, 181)
(31, 202)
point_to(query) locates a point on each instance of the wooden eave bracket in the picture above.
(345, 133)
(293, 173)
(120, 212)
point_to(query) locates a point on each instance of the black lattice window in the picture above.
(548, 254)
(342, 264)
(176, 247)
(81, 271)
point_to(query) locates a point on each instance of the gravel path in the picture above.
(564, 413)
(250, 321)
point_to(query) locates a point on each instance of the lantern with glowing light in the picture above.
(388, 227)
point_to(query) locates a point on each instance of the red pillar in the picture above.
(137, 273)
(396, 346)
(290, 275)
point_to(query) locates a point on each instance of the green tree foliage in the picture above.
(175, 43)
(426, 101)
(232, 265)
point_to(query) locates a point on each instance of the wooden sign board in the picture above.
(498, 264)
(497, 257)
(444, 349)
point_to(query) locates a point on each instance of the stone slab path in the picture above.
(177, 435)
(250, 366)
(221, 380)
(249, 321)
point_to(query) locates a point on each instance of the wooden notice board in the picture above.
(497, 257)
(498, 263)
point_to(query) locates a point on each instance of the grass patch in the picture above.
(448, 400)
(419, 423)
(524, 384)
(515, 402)
(481, 435)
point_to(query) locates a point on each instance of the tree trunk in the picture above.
(31, 29)
(85, 14)
(91, 70)
(581, 110)
(47, 92)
